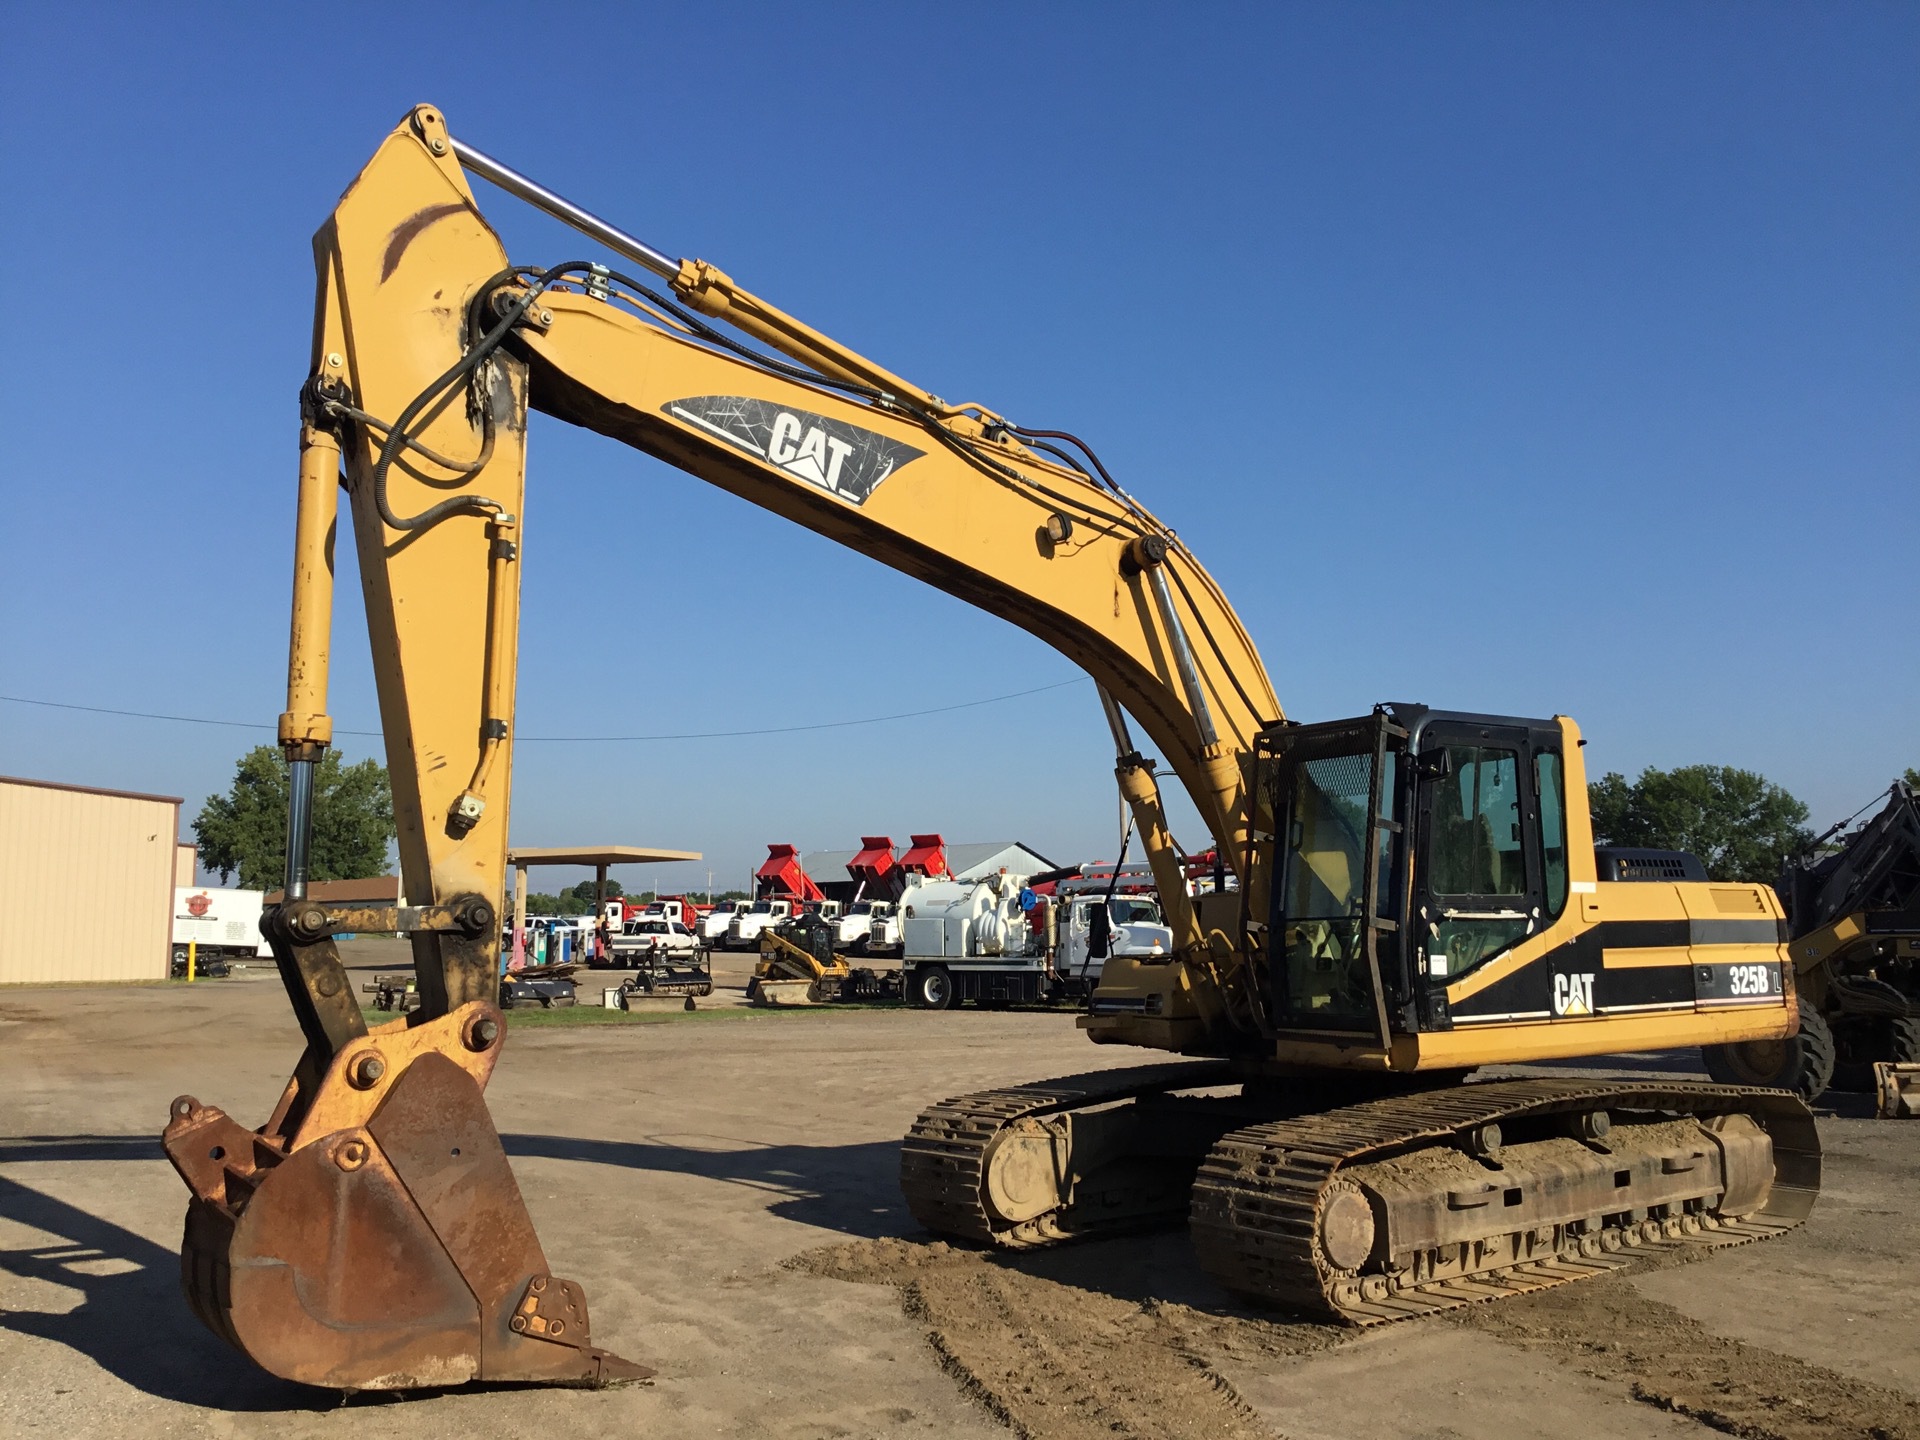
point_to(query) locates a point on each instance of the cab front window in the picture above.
(1322, 894)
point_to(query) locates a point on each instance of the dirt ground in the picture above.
(724, 1185)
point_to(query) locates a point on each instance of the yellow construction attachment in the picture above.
(1898, 1089)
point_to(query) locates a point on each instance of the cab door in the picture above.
(1480, 875)
(1335, 959)
(1070, 954)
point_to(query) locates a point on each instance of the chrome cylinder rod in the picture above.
(565, 211)
(1183, 655)
(299, 827)
(1116, 722)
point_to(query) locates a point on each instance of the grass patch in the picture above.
(599, 1015)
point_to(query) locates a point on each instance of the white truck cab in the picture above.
(863, 926)
(674, 910)
(743, 931)
(1134, 926)
(713, 925)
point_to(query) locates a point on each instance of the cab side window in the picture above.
(1549, 783)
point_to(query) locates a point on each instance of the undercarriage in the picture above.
(1368, 1212)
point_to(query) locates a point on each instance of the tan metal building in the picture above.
(86, 882)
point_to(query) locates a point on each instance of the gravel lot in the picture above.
(724, 1185)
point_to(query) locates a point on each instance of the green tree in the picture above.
(574, 900)
(1739, 823)
(578, 899)
(244, 832)
(1912, 777)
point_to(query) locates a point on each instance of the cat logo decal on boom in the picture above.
(842, 459)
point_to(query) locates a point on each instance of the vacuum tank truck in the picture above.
(996, 942)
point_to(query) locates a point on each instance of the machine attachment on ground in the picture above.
(395, 992)
(672, 972)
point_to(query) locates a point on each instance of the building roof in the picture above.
(375, 890)
(596, 855)
(969, 862)
(91, 790)
(827, 864)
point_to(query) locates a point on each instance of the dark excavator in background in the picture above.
(1852, 897)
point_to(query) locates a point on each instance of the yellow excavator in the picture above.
(1400, 898)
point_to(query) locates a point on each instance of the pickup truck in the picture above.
(641, 941)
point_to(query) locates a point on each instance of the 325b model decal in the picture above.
(840, 458)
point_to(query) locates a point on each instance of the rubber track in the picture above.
(1256, 1201)
(943, 1158)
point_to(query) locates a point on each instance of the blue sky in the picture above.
(1508, 357)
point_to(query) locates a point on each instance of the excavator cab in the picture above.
(1412, 847)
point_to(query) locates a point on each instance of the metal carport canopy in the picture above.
(595, 855)
(599, 857)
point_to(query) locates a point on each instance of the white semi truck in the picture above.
(712, 928)
(743, 930)
(975, 940)
(863, 928)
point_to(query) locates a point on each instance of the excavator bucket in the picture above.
(383, 1244)
(1898, 1089)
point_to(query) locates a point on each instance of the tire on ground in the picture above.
(1803, 1064)
(1858, 1043)
(933, 987)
